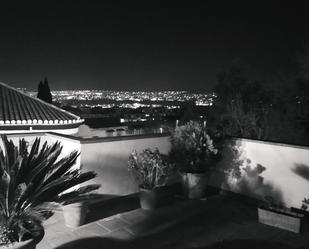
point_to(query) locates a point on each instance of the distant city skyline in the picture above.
(130, 46)
(110, 98)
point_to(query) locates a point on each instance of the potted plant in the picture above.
(305, 204)
(194, 153)
(32, 182)
(152, 172)
(276, 214)
(75, 209)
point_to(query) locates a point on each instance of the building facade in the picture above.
(21, 113)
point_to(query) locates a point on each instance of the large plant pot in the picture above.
(75, 214)
(195, 184)
(26, 244)
(286, 220)
(157, 197)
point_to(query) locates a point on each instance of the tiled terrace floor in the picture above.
(184, 224)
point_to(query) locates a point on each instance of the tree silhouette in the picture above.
(188, 112)
(242, 105)
(44, 91)
(247, 108)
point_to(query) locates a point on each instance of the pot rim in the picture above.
(192, 173)
(283, 212)
(76, 204)
(148, 190)
(23, 243)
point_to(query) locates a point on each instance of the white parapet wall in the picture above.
(109, 159)
(68, 144)
(249, 167)
(266, 169)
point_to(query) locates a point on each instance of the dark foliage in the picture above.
(192, 148)
(151, 168)
(32, 181)
(44, 91)
(250, 109)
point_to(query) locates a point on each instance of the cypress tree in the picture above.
(40, 90)
(44, 91)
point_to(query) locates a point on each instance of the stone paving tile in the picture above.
(139, 229)
(94, 243)
(135, 216)
(121, 234)
(55, 230)
(212, 221)
(162, 219)
(113, 224)
(90, 230)
(60, 240)
(44, 244)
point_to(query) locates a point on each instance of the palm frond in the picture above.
(40, 170)
(60, 168)
(31, 181)
(77, 193)
(4, 192)
(53, 189)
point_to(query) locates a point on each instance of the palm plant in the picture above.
(32, 181)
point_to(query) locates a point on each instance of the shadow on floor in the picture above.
(97, 242)
(225, 224)
(112, 205)
(92, 243)
(221, 223)
(245, 244)
(106, 207)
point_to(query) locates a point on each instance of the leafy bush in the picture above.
(192, 148)
(305, 204)
(32, 182)
(150, 168)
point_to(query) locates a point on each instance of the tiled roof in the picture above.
(17, 108)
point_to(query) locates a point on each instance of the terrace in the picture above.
(225, 218)
(220, 221)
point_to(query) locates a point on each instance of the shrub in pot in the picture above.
(153, 173)
(32, 182)
(194, 154)
(305, 205)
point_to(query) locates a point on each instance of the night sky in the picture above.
(153, 46)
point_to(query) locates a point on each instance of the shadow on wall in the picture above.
(301, 170)
(113, 174)
(243, 177)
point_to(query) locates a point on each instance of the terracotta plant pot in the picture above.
(75, 214)
(195, 184)
(157, 197)
(283, 219)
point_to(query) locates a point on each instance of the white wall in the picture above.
(280, 178)
(68, 144)
(286, 174)
(109, 159)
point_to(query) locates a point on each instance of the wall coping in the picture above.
(142, 136)
(305, 147)
(108, 139)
